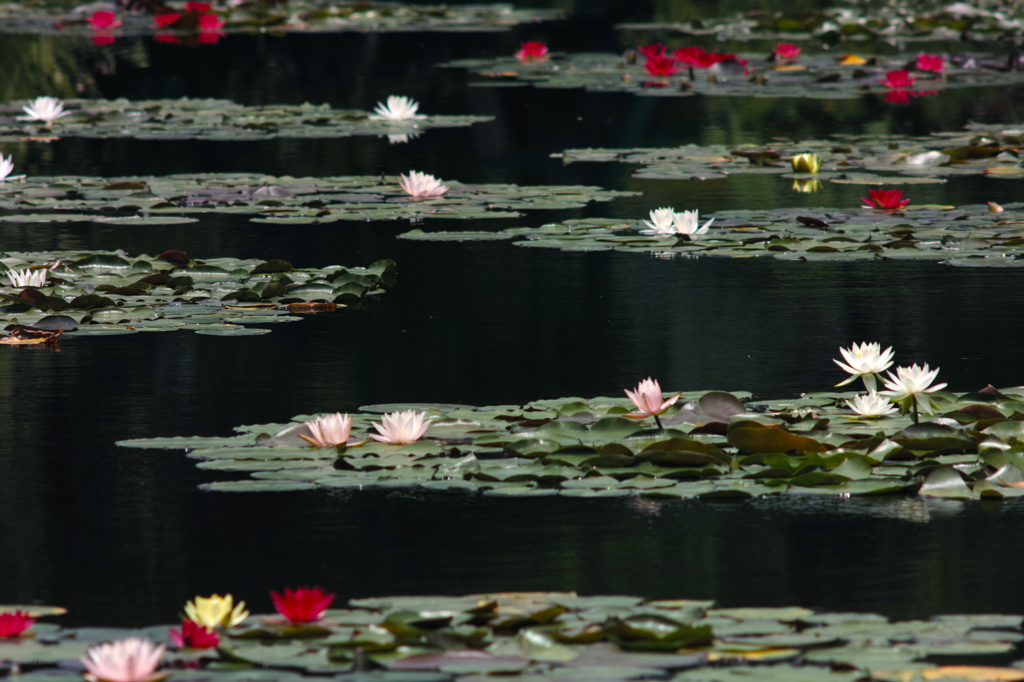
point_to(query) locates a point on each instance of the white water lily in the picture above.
(662, 221)
(871, 405)
(402, 428)
(422, 185)
(686, 223)
(46, 109)
(28, 277)
(911, 382)
(397, 108)
(6, 166)
(865, 361)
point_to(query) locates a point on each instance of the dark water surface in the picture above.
(123, 537)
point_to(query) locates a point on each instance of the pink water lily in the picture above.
(303, 604)
(421, 185)
(13, 623)
(649, 400)
(786, 51)
(127, 660)
(328, 432)
(103, 19)
(661, 66)
(931, 62)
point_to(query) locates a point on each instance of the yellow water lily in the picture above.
(806, 163)
(215, 610)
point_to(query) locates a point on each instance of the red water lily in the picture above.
(652, 50)
(102, 19)
(688, 55)
(303, 604)
(532, 51)
(167, 19)
(209, 22)
(661, 66)
(786, 51)
(888, 199)
(900, 78)
(930, 62)
(193, 6)
(193, 636)
(13, 623)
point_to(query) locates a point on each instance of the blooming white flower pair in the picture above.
(908, 383)
(397, 428)
(669, 221)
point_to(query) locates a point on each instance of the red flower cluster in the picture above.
(196, 14)
(103, 23)
(658, 64)
(193, 636)
(532, 51)
(888, 199)
(900, 78)
(930, 62)
(303, 604)
(786, 51)
(14, 623)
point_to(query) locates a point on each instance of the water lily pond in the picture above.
(225, 186)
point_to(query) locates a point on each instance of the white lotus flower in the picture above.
(865, 360)
(910, 382)
(422, 185)
(398, 108)
(28, 277)
(6, 166)
(46, 109)
(686, 223)
(871, 405)
(662, 221)
(329, 431)
(402, 428)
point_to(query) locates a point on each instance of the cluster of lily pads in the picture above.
(849, 21)
(84, 293)
(212, 119)
(246, 16)
(988, 150)
(528, 636)
(175, 199)
(965, 236)
(713, 445)
(651, 71)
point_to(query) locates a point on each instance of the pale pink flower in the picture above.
(127, 660)
(327, 432)
(422, 185)
(402, 428)
(649, 400)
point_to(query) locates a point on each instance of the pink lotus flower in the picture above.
(209, 22)
(888, 199)
(328, 432)
(303, 604)
(193, 636)
(652, 50)
(661, 66)
(649, 400)
(14, 623)
(102, 19)
(900, 78)
(166, 19)
(401, 428)
(931, 62)
(532, 51)
(193, 6)
(786, 51)
(127, 660)
(421, 185)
